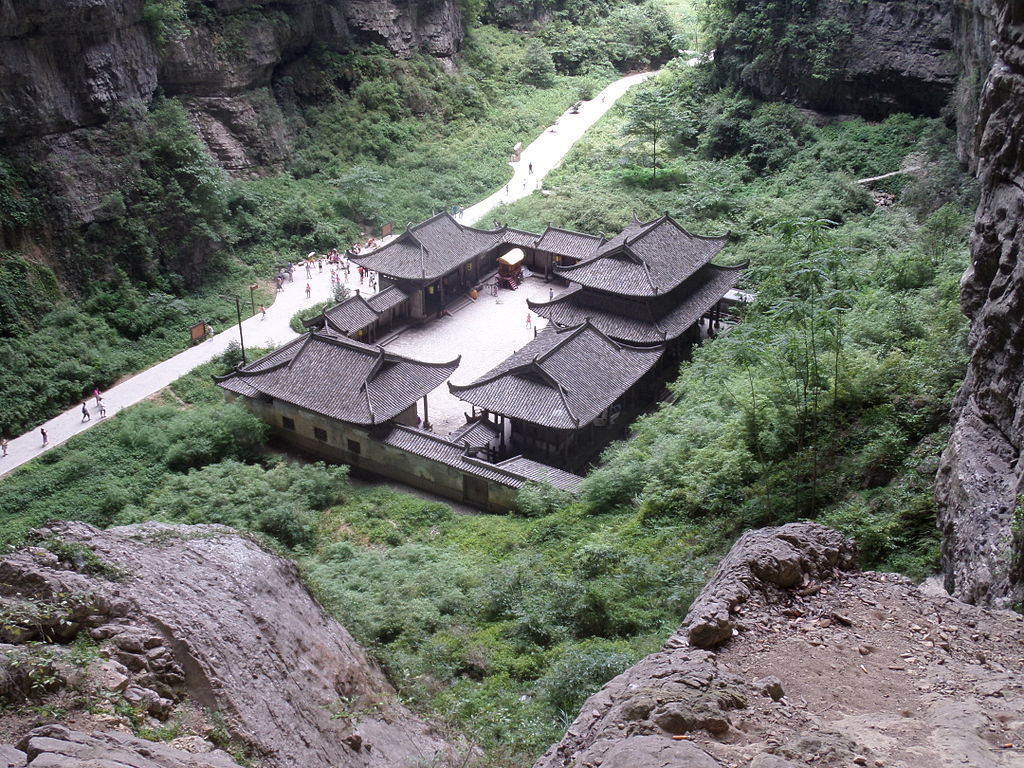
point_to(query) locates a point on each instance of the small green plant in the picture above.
(81, 558)
(168, 20)
(308, 313)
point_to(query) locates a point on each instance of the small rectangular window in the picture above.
(288, 423)
(320, 434)
(353, 446)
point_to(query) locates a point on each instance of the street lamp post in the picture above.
(238, 310)
(252, 296)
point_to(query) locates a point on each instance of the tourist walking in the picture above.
(96, 393)
(86, 416)
(530, 168)
(309, 289)
(103, 409)
(46, 437)
(309, 270)
(263, 312)
(3, 446)
(529, 321)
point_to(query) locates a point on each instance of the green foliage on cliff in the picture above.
(777, 37)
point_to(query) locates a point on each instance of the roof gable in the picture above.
(562, 379)
(340, 378)
(645, 259)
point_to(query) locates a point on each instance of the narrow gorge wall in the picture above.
(869, 57)
(979, 483)
(70, 65)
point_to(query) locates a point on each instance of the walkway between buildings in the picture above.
(544, 153)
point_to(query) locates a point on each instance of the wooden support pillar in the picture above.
(426, 414)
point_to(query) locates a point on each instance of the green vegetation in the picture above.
(830, 400)
(777, 37)
(827, 402)
(308, 313)
(380, 140)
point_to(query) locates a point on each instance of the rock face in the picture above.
(871, 58)
(980, 477)
(54, 746)
(820, 666)
(70, 64)
(201, 615)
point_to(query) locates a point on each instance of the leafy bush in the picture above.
(536, 499)
(283, 501)
(579, 670)
(306, 314)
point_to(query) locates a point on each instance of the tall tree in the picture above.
(651, 117)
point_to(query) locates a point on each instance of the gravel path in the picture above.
(545, 153)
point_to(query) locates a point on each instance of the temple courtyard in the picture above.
(484, 332)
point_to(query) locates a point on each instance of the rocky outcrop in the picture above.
(981, 509)
(870, 58)
(201, 617)
(820, 666)
(974, 29)
(791, 556)
(54, 746)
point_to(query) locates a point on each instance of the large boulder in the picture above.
(204, 615)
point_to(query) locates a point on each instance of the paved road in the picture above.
(544, 153)
(548, 149)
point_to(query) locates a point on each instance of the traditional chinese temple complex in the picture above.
(633, 310)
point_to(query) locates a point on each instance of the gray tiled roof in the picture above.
(351, 315)
(642, 320)
(565, 242)
(356, 313)
(519, 237)
(390, 297)
(562, 379)
(435, 247)
(475, 433)
(340, 378)
(645, 259)
(438, 449)
(542, 473)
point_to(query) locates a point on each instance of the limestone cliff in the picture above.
(979, 485)
(70, 65)
(871, 57)
(196, 626)
(790, 657)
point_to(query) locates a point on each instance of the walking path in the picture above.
(548, 149)
(544, 153)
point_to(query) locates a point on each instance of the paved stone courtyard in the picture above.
(484, 332)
